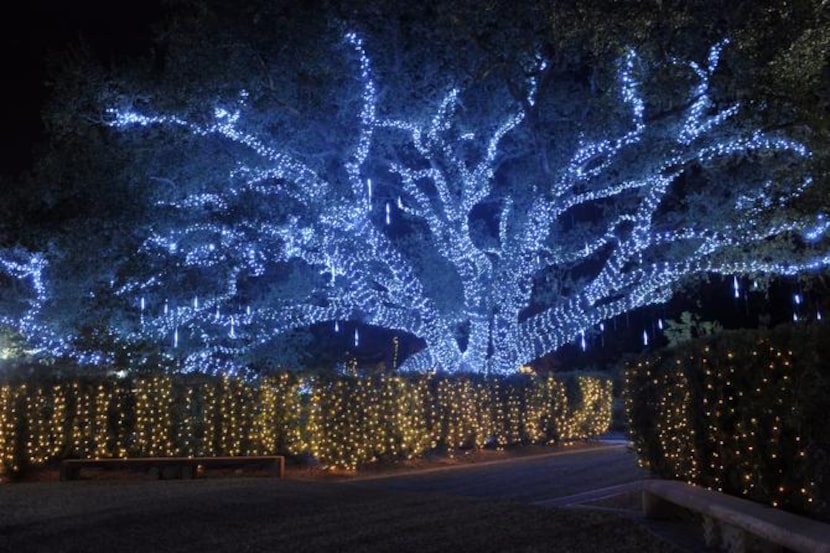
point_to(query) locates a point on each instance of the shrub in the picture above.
(743, 412)
(339, 420)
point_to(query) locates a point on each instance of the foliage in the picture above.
(743, 412)
(689, 327)
(537, 170)
(338, 421)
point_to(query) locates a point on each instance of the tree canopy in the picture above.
(491, 178)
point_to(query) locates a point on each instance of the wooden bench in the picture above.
(173, 467)
(735, 524)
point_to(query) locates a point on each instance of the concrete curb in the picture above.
(592, 495)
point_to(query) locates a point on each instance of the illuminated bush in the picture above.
(741, 412)
(340, 421)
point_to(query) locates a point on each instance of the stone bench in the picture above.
(173, 467)
(734, 524)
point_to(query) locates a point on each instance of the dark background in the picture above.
(32, 37)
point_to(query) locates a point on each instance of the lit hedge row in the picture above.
(341, 421)
(746, 413)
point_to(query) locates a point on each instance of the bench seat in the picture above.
(176, 467)
(735, 524)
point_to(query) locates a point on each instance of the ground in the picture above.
(427, 508)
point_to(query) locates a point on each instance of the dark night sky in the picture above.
(111, 30)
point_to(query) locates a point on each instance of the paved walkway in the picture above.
(524, 479)
(603, 477)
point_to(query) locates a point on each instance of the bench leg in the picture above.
(276, 467)
(711, 532)
(734, 539)
(737, 540)
(658, 508)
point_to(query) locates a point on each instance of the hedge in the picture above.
(743, 412)
(338, 421)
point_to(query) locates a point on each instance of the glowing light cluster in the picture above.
(343, 422)
(345, 231)
(726, 418)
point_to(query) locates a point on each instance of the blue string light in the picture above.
(628, 169)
